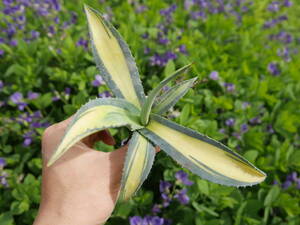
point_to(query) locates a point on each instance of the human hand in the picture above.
(82, 186)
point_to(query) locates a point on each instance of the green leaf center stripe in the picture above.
(201, 137)
(95, 116)
(138, 162)
(218, 176)
(120, 103)
(114, 59)
(197, 153)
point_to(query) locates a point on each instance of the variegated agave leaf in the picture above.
(202, 155)
(169, 98)
(138, 163)
(205, 157)
(147, 106)
(97, 115)
(114, 60)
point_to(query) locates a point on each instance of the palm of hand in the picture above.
(84, 183)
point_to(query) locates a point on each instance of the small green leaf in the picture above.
(170, 68)
(169, 99)
(146, 109)
(272, 195)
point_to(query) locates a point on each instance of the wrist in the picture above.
(49, 216)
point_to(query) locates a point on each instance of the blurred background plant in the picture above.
(246, 56)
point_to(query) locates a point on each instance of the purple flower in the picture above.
(16, 98)
(56, 20)
(32, 95)
(168, 11)
(230, 122)
(188, 4)
(156, 209)
(13, 43)
(182, 49)
(222, 131)
(3, 179)
(282, 18)
(56, 98)
(270, 23)
(282, 36)
(287, 3)
(275, 182)
(105, 94)
(141, 8)
(145, 35)
(1, 52)
(74, 17)
(270, 129)
(198, 14)
(237, 135)
(166, 200)
(83, 43)
(155, 220)
(55, 4)
(136, 220)
(51, 30)
(163, 41)
(286, 184)
(98, 81)
(2, 162)
(183, 178)
(27, 142)
(182, 197)
(164, 186)
(7, 2)
(214, 75)
(147, 50)
(27, 138)
(285, 53)
(245, 105)
(1, 84)
(170, 55)
(244, 128)
(274, 6)
(35, 34)
(255, 120)
(37, 115)
(229, 87)
(67, 91)
(292, 177)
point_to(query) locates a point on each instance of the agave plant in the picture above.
(200, 154)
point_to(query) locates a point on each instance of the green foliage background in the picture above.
(239, 51)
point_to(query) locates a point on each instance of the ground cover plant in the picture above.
(246, 56)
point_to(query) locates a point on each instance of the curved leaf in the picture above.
(114, 60)
(138, 163)
(169, 98)
(147, 106)
(94, 116)
(204, 156)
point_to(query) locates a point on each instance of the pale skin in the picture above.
(82, 186)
